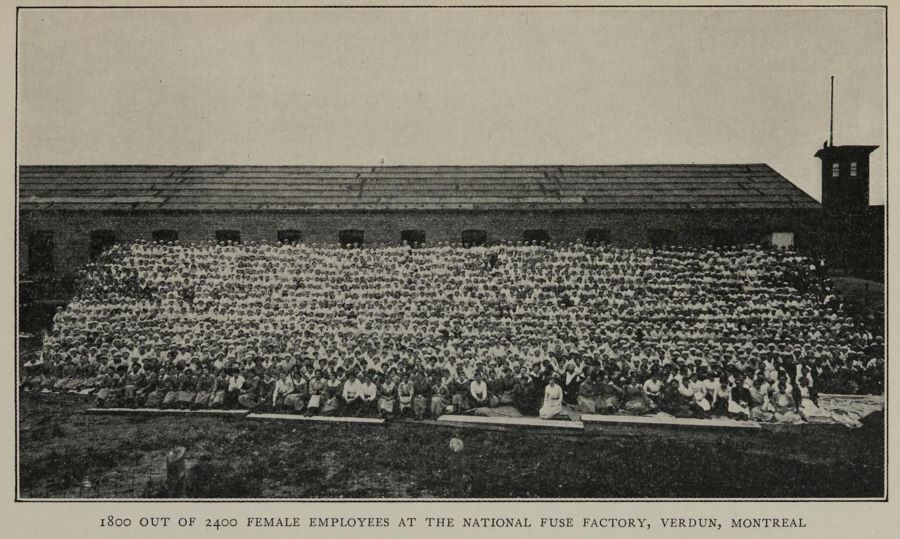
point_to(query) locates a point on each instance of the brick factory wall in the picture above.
(71, 230)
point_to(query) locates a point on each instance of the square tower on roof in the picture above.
(845, 176)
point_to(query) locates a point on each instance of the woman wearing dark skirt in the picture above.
(148, 395)
(333, 390)
(524, 396)
(217, 398)
(609, 397)
(635, 399)
(673, 402)
(187, 389)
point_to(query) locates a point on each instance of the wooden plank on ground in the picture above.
(156, 411)
(851, 397)
(666, 420)
(513, 421)
(550, 431)
(326, 419)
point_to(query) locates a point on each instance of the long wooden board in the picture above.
(326, 419)
(663, 420)
(513, 421)
(157, 411)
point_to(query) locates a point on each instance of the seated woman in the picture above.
(739, 407)
(297, 392)
(350, 396)
(333, 388)
(217, 397)
(284, 386)
(785, 406)
(588, 392)
(495, 389)
(133, 379)
(168, 387)
(507, 388)
(809, 410)
(609, 398)
(236, 383)
(104, 386)
(553, 400)
(187, 386)
(206, 386)
(151, 393)
(653, 386)
(760, 407)
(460, 393)
(422, 398)
(440, 396)
(387, 396)
(405, 393)
(317, 387)
(699, 392)
(721, 398)
(117, 389)
(249, 397)
(478, 390)
(675, 402)
(65, 376)
(525, 395)
(75, 380)
(88, 373)
(635, 399)
(267, 380)
(368, 393)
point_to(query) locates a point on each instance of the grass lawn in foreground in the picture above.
(61, 447)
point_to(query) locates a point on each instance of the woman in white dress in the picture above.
(698, 390)
(808, 408)
(553, 398)
(785, 407)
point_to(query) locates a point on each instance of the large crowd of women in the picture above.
(750, 332)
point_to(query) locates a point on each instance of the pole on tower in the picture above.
(831, 117)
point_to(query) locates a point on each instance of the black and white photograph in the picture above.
(451, 253)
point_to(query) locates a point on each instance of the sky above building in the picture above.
(451, 87)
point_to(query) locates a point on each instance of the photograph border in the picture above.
(18, 498)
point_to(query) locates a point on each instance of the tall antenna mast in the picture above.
(831, 118)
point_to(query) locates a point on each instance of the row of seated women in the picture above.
(681, 391)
